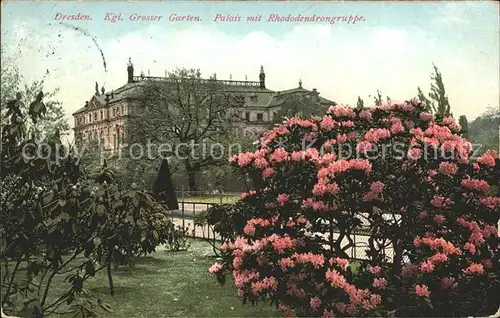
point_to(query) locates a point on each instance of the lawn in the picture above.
(168, 284)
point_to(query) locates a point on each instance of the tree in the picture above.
(10, 80)
(58, 224)
(189, 116)
(464, 125)
(298, 104)
(12, 83)
(438, 95)
(360, 103)
(428, 104)
(164, 187)
(53, 120)
(377, 99)
(484, 130)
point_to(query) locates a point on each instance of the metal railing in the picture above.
(190, 210)
(207, 197)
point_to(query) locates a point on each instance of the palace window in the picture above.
(260, 117)
(247, 116)
(114, 112)
(102, 115)
(90, 118)
(95, 116)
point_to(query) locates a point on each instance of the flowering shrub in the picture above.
(429, 212)
(58, 224)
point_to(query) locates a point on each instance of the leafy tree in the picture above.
(378, 98)
(298, 104)
(12, 83)
(428, 103)
(10, 80)
(164, 187)
(189, 115)
(360, 103)
(484, 130)
(464, 124)
(58, 223)
(438, 95)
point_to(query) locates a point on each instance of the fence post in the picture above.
(355, 245)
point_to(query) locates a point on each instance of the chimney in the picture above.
(315, 95)
(130, 70)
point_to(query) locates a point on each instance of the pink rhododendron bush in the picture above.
(392, 174)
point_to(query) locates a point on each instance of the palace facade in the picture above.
(104, 116)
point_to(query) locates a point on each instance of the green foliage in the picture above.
(464, 125)
(298, 105)
(377, 100)
(189, 115)
(484, 130)
(227, 220)
(360, 103)
(441, 106)
(179, 241)
(57, 221)
(13, 87)
(428, 103)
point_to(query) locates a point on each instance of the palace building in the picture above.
(104, 116)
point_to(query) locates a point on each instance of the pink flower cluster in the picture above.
(245, 195)
(437, 244)
(488, 158)
(250, 228)
(323, 187)
(474, 269)
(272, 134)
(375, 191)
(319, 206)
(342, 111)
(215, 268)
(422, 290)
(441, 202)
(474, 184)
(448, 168)
(342, 166)
(491, 202)
(374, 135)
(267, 283)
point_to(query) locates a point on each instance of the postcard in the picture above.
(163, 101)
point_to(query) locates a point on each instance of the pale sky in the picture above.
(392, 50)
